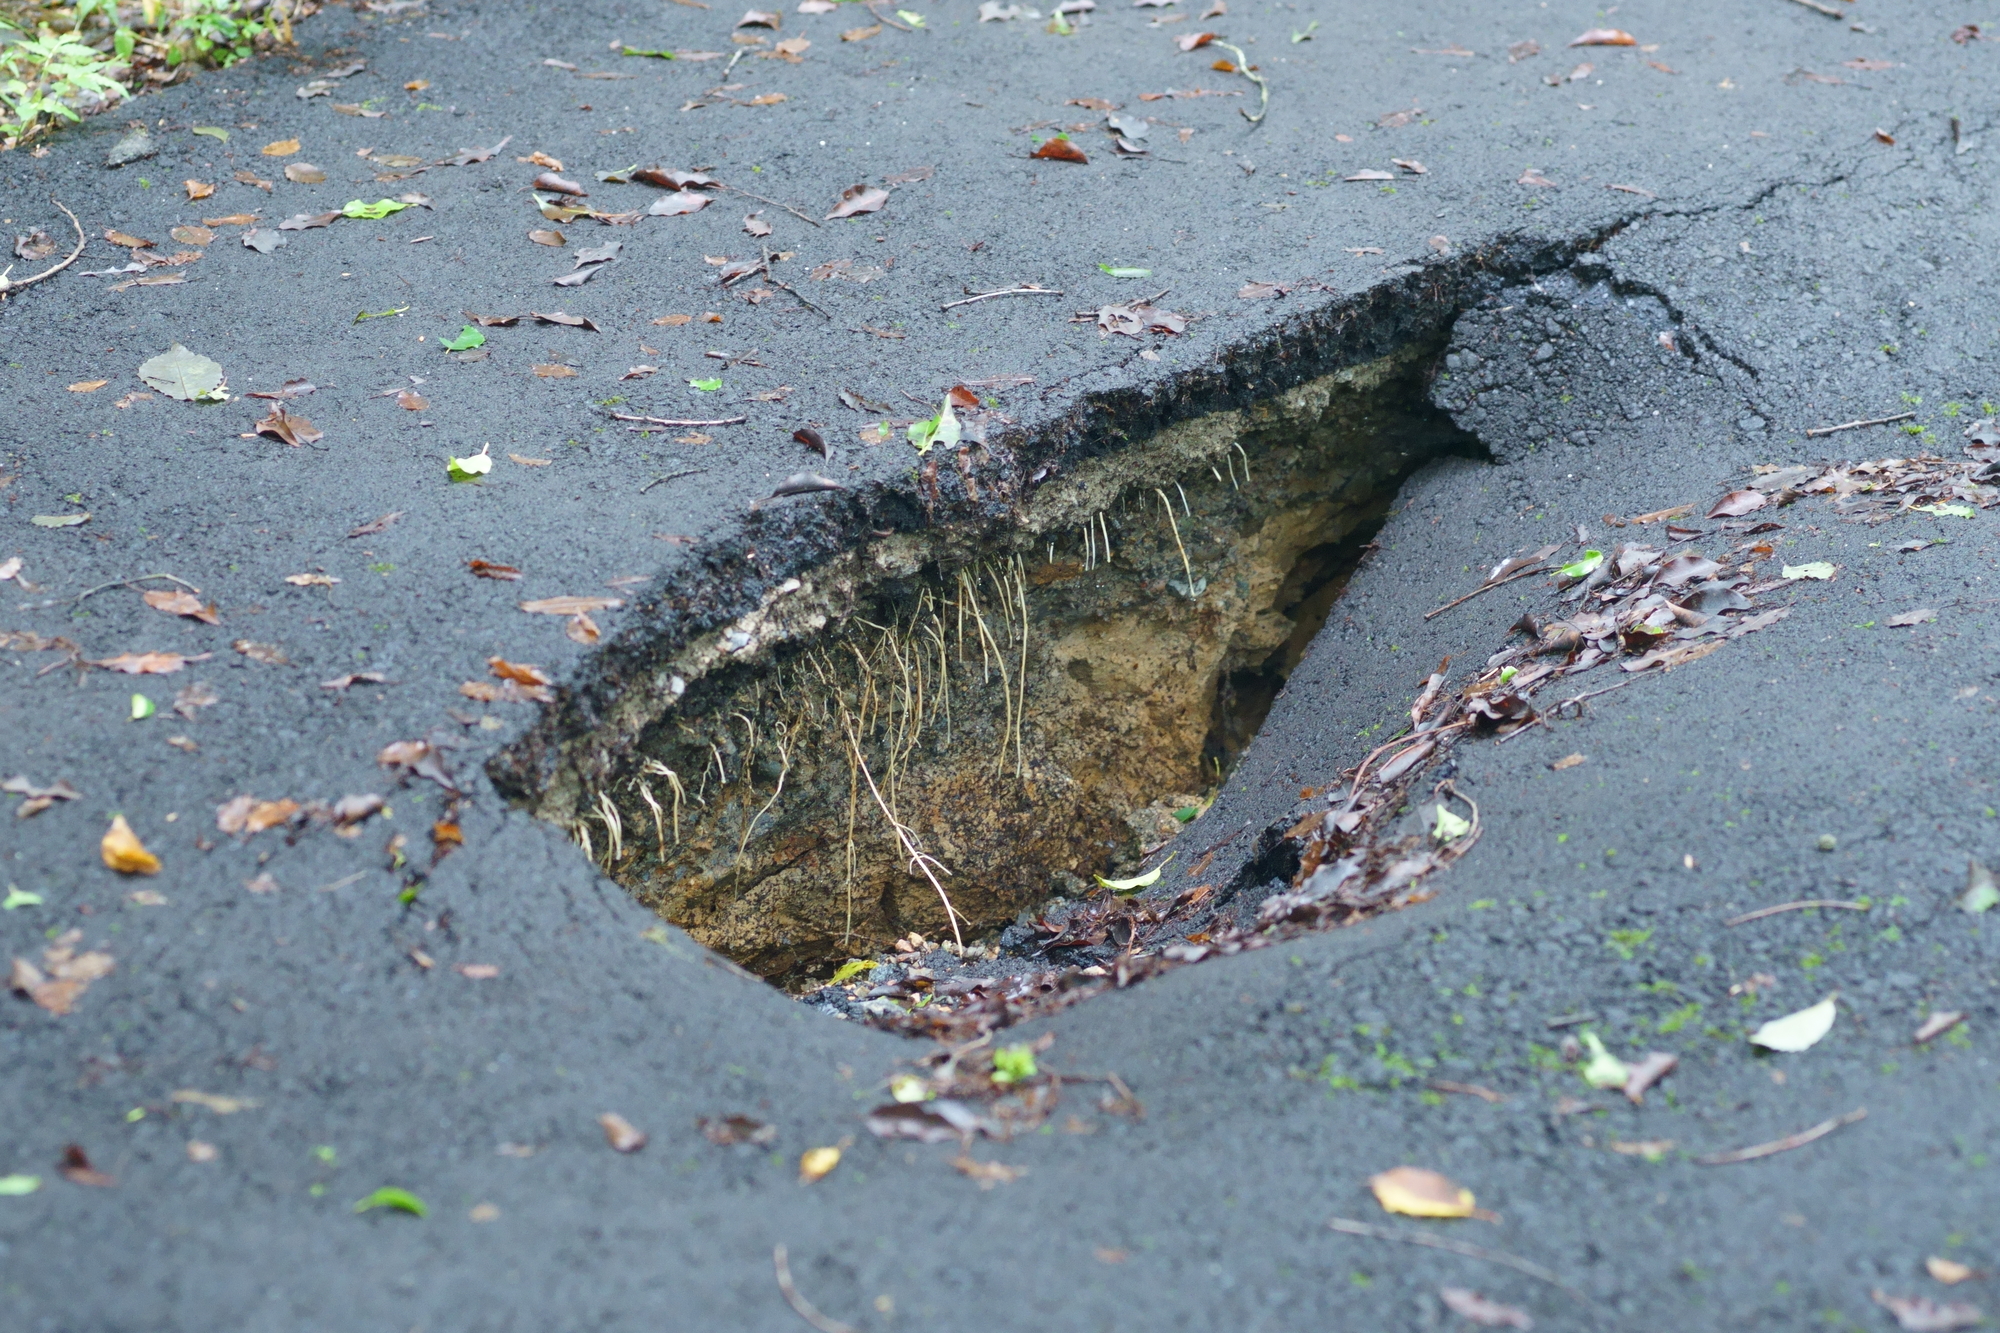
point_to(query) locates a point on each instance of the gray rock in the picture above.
(136, 144)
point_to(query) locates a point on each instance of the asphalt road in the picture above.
(1738, 198)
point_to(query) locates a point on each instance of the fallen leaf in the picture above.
(1487, 1314)
(199, 1151)
(1416, 1192)
(1921, 616)
(311, 580)
(88, 386)
(1981, 892)
(486, 569)
(1883, 136)
(127, 240)
(308, 221)
(233, 220)
(305, 173)
(815, 1163)
(1949, 1271)
(861, 34)
(60, 520)
(1799, 1031)
(1567, 761)
(755, 225)
(581, 629)
(1645, 1073)
(857, 199)
(77, 1170)
(988, 1174)
(219, 1104)
(546, 237)
(1371, 174)
(470, 468)
(1411, 165)
(1188, 41)
(184, 375)
(562, 318)
(267, 653)
(531, 462)
(620, 1133)
(1603, 1069)
(730, 1130)
(475, 971)
(1921, 1314)
(1943, 1021)
(556, 184)
(1261, 291)
(1605, 37)
(197, 189)
(555, 372)
(1815, 569)
(182, 603)
(289, 428)
(571, 606)
(759, 18)
(146, 664)
(397, 1200)
(122, 851)
(281, 148)
(1737, 503)
(411, 401)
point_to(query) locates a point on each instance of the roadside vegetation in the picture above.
(61, 62)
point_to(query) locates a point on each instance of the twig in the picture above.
(1029, 290)
(1536, 721)
(1469, 1089)
(1459, 846)
(668, 476)
(1569, 1021)
(1488, 587)
(797, 295)
(802, 1307)
(1786, 1144)
(1815, 432)
(803, 217)
(1793, 907)
(1827, 10)
(1263, 88)
(8, 284)
(1469, 1250)
(126, 583)
(1579, 698)
(899, 27)
(680, 421)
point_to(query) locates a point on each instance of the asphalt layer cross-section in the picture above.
(1803, 202)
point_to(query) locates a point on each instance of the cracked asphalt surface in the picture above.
(1808, 272)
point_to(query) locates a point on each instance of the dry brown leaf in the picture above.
(555, 372)
(88, 386)
(486, 569)
(581, 629)
(1939, 1023)
(281, 148)
(571, 606)
(305, 173)
(147, 664)
(1567, 761)
(1188, 41)
(476, 971)
(547, 236)
(311, 580)
(233, 220)
(542, 159)
(267, 653)
(620, 1133)
(988, 1174)
(815, 1163)
(1949, 1271)
(289, 428)
(1486, 1313)
(861, 34)
(1645, 1073)
(519, 672)
(122, 851)
(199, 1151)
(674, 321)
(197, 189)
(1605, 37)
(127, 240)
(411, 401)
(857, 199)
(179, 602)
(1060, 149)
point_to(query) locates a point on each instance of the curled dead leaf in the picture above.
(122, 851)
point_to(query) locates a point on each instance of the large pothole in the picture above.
(996, 717)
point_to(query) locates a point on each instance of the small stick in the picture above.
(126, 583)
(1465, 1248)
(8, 284)
(803, 217)
(1579, 698)
(1815, 432)
(899, 27)
(798, 296)
(802, 1307)
(668, 476)
(1488, 587)
(1827, 10)
(1030, 290)
(1793, 907)
(1569, 1021)
(1786, 1144)
(1469, 1089)
(680, 421)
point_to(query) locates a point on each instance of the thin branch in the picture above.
(1469, 1250)
(1831, 13)
(797, 295)
(802, 1307)
(1786, 1144)
(8, 284)
(1263, 88)
(1814, 432)
(871, 7)
(1029, 290)
(126, 583)
(773, 203)
(669, 476)
(680, 421)
(1793, 907)
(1579, 698)
(1488, 587)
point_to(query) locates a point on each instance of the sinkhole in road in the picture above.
(1026, 708)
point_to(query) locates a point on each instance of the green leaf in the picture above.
(1011, 1064)
(59, 520)
(381, 208)
(911, 17)
(657, 55)
(710, 385)
(1584, 565)
(851, 969)
(1814, 569)
(1126, 272)
(19, 897)
(14, 1186)
(1137, 882)
(467, 469)
(1603, 1069)
(1981, 893)
(379, 314)
(920, 433)
(1944, 510)
(467, 339)
(1187, 813)
(390, 1197)
(213, 132)
(142, 708)
(1449, 827)
(187, 376)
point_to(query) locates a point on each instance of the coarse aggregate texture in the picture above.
(1812, 275)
